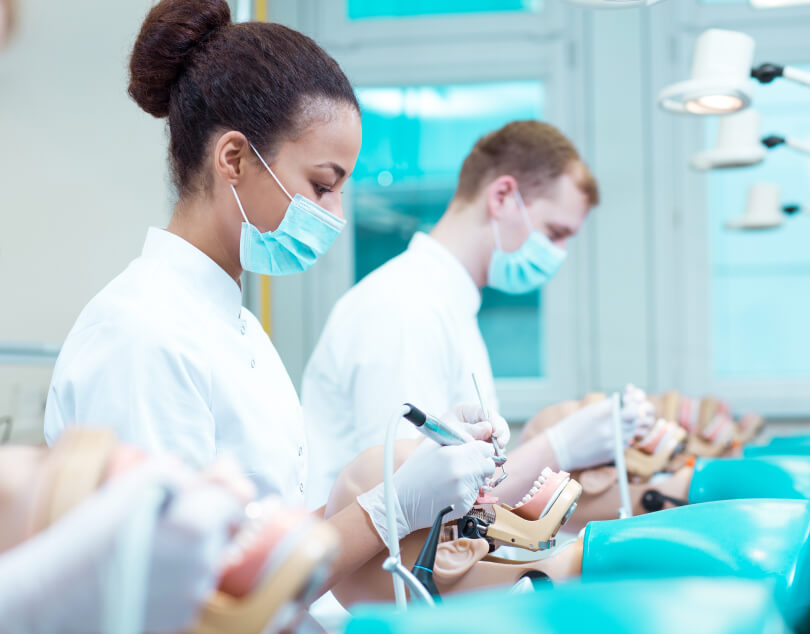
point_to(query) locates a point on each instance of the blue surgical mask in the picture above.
(305, 233)
(530, 267)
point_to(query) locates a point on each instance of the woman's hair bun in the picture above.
(172, 30)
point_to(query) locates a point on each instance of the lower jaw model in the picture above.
(533, 523)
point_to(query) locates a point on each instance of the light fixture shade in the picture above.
(738, 143)
(720, 82)
(613, 4)
(775, 4)
(763, 209)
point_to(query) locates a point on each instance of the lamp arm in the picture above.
(796, 74)
(798, 145)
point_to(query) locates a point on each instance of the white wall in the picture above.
(83, 173)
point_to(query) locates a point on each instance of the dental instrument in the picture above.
(626, 508)
(500, 458)
(434, 428)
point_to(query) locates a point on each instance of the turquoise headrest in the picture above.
(754, 539)
(628, 606)
(783, 477)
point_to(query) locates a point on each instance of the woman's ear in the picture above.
(454, 559)
(231, 153)
(597, 481)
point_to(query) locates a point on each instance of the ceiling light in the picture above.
(719, 84)
(763, 209)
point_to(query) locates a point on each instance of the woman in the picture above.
(264, 131)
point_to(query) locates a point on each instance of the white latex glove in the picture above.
(585, 438)
(432, 478)
(60, 580)
(635, 405)
(479, 424)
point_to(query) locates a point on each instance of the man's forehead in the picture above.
(570, 204)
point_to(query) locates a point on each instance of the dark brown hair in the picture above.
(193, 65)
(534, 153)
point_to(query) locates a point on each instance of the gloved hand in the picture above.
(432, 478)
(479, 424)
(585, 438)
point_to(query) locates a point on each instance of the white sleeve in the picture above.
(153, 392)
(407, 360)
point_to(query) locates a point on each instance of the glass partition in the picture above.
(364, 9)
(761, 279)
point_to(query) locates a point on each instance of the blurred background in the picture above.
(656, 291)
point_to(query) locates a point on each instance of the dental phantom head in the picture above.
(652, 453)
(715, 432)
(462, 563)
(275, 562)
(534, 522)
(748, 426)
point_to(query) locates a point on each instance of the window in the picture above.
(363, 9)
(760, 281)
(414, 141)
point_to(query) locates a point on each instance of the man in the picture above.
(408, 332)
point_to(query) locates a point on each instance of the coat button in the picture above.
(244, 328)
(253, 363)
(301, 487)
(300, 451)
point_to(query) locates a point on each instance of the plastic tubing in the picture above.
(392, 503)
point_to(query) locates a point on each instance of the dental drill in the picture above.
(443, 434)
(434, 428)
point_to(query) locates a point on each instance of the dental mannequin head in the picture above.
(276, 560)
(19, 466)
(460, 563)
(7, 19)
(553, 414)
(524, 177)
(600, 499)
(236, 85)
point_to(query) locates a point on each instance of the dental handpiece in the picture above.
(436, 429)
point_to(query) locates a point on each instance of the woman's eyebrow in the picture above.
(339, 171)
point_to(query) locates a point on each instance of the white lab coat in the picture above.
(167, 356)
(408, 332)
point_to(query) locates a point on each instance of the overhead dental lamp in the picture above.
(613, 4)
(739, 143)
(763, 209)
(721, 68)
(776, 4)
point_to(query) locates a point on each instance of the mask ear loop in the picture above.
(275, 178)
(525, 213)
(497, 234)
(239, 202)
